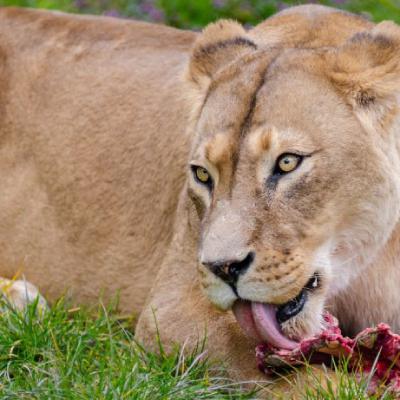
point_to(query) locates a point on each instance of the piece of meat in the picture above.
(374, 351)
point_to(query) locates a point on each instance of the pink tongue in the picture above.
(268, 328)
(243, 314)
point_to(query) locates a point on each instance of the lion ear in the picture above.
(219, 44)
(366, 70)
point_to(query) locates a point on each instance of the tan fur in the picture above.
(83, 100)
(260, 142)
(100, 117)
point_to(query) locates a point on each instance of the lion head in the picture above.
(290, 171)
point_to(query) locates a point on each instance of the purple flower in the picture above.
(146, 8)
(112, 13)
(219, 3)
(79, 4)
(281, 6)
(157, 15)
(154, 13)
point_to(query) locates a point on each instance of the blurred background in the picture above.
(195, 14)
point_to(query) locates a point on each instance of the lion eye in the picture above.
(288, 163)
(202, 175)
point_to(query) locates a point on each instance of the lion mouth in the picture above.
(263, 321)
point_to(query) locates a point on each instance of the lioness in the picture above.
(198, 173)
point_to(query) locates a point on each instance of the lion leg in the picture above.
(21, 293)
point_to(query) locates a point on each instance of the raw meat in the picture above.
(374, 351)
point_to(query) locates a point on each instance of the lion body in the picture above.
(82, 101)
(95, 144)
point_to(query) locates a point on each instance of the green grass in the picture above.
(91, 354)
(197, 13)
(345, 386)
(86, 354)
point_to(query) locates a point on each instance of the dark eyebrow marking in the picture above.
(245, 125)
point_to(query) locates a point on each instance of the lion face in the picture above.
(289, 178)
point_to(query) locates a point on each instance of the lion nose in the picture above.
(229, 271)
